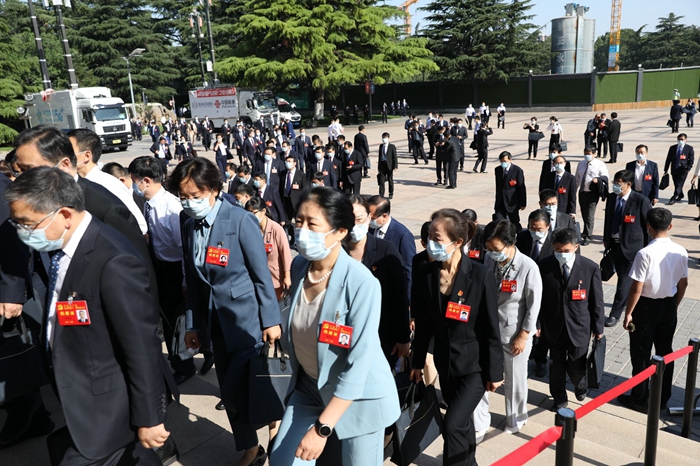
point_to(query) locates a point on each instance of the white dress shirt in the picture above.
(63, 264)
(639, 169)
(555, 128)
(116, 187)
(165, 226)
(381, 233)
(659, 266)
(586, 171)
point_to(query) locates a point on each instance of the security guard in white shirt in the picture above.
(589, 173)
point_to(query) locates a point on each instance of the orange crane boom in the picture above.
(615, 27)
(407, 19)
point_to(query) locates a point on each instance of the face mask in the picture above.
(228, 175)
(359, 232)
(330, 154)
(550, 209)
(315, 185)
(289, 165)
(617, 189)
(438, 252)
(196, 208)
(538, 235)
(138, 192)
(267, 157)
(318, 155)
(37, 240)
(257, 183)
(533, 121)
(285, 149)
(564, 257)
(681, 143)
(303, 134)
(373, 224)
(242, 179)
(385, 140)
(588, 157)
(559, 167)
(219, 140)
(640, 157)
(312, 244)
(257, 135)
(552, 155)
(505, 165)
(348, 151)
(498, 256)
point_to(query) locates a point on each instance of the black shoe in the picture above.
(208, 364)
(671, 201)
(540, 369)
(475, 170)
(168, 453)
(609, 161)
(581, 393)
(461, 169)
(557, 406)
(585, 242)
(426, 162)
(366, 176)
(391, 196)
(611, 321)
(439, 182)
(697, 219)
(629, 403)
(450, 187)
(182, 378)
(484, 171)
(415, 163)
(220, 406)
(260, 459)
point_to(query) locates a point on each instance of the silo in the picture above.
(573, 37)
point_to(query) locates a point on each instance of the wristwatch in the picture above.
(324, 430)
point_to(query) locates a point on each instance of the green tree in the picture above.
(489, 39)
(319, 44)
(630, 41)
(670, 45)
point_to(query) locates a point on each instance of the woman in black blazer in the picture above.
(456, 302)
(383, 260)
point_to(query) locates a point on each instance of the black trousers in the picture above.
(441, 168)
(452, 172)
(384, 118)
(553, 139)
(290, 213)
(461, 153)
(588, 200)
(566, 359)
(462, 395)
(353, 188)
(602, 147)
(206, 139)
(689, 120)
(679, 175)
(655, 323)
(539, 350)
(221, 163)
(172, 302)
(418, 151)
(163, 165)
(622, 269)
(385, 174)
(674, 125)
(469, 120)
(532, 148)
(588, 141)
(482, 158)
(431, 143)
(613, 150)
(502, 213)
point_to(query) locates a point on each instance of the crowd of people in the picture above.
(122, 258)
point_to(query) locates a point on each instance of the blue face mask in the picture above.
(498, 256)
(550, 209)
(289, 165)
(138, 192)
(564, 257)
(538, 235)
(256, 183)
(267, 157)
(559, 167)
(242, 179)
(37, 240)
(438, 252)
(359, 232)
(196, 208)
(318, 155)
(312, 244)
(228, 175)
(373, 224)
(617, 189)
(588, 157)
(505, 165)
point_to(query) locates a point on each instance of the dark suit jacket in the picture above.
(461, 348)
(15, 281)
(581, 318)
(249, 149)
(566, 193)
(299, 180)
(524, 244)
(477, 244)
(650, 188)
(155, 148)
(276, 167)
(510, 192)
(184, 150)
(547, 169)
(482, 137)
(392, 160)
(330, 172)
(453, 152)
(108, 373)
(686, 161)
(402, 238)
(614, 130)
(273, 201)
(633, 235)
(361, 144)
(676, 112)
(563, 221)
(236, 182)
(303, 147)
(351, 168)
(383, 260)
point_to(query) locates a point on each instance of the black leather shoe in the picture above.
(208, 364)
(540, 369)
(438, 183)
(220, 406)
(557, 406)
(672, 201)
(168, 453)
(585, 242)
(629, 403)
(450, 187)
(260, 459)
(391, 196)
(611, 321)
(182, 378)
(581, 393)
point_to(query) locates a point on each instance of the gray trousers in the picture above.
(588, 202)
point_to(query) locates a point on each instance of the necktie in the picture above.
(537, 250)
(149, 221)
(260, 193)
(617, 216)
(53, 272)
(267, 169)
(558, 180)
(678, 155)
(566, 272)
(288, 188)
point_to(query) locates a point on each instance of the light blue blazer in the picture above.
(359, 373)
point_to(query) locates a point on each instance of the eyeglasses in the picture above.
(31, 227)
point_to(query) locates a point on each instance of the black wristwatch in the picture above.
(324, 430)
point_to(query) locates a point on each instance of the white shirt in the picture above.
(469, 111)
(625, 198)
(165, 226)
(116, 187)
(501, 108)
(660, 266)
(555, 128)
(639, 175)
(586, 171)
(63, 264)
(383, 229)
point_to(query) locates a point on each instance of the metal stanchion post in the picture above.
(653, 411)
(688, 405)
(566, 418)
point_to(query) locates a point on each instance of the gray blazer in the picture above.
(519, 310)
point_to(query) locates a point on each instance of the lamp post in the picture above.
(196, 25)
(135, 54)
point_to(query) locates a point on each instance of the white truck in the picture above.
(93, 108)
(227, 102)
(288, 111)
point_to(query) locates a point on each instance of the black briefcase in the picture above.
(418, 426)
(21, 364)
(268, 383)
(693, 195)
(607, 266)
(536, 136)
(563, 145)
(664, 182)
(595, 365)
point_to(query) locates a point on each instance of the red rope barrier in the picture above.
(603, 398)
(531, 449)
(678, 354)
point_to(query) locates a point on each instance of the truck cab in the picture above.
(107, 116)
(256, 104)
(288, 111)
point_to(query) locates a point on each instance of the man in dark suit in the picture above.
(351, 169)
(226, 131)
(327, 166)
(624, 233)
(452, 154)
(613, 137)
(207, 129)
(591, 129)
(441, 161)
(511, 194)
(680, 158)
(482, 145)
(271, 196)
(292, 185)
(161, 151)
(271, 166)
(243, 176)
(676, 114)
(564, 184)
(304, 147)
(387, 162)
(572, 310)
(603, 127)
(362, 146)
(646, 175)
(460, 134)
(249, 148)
(123, 391)
(548, 166)
(549, 202)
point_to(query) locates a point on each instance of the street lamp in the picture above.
(135, 54)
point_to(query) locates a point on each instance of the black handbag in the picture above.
(268, 383)
(473, 145)
(19, 350)
(693, 194)
(595, 365)
(563, 145)
(607, 266)
(669, 123)
(620, 147)
(535, 136)
(664, 182)
(418, 426)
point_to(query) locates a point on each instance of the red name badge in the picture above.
(562, 190)
(647, 177)
(630, 218)
(578, 295)
(351, 163)
(217, 256)
(335, 334)
(335, 167)
(682, 157)
(72, 313)
(325, 172)
(458, 311)
(509, 286)
(268, 203)
(512, 182)
(274, 170)
(474, 253)
(268, 248)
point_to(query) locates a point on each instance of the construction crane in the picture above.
(407, 19)
(615, 27)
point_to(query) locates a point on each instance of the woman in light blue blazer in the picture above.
(346, 388)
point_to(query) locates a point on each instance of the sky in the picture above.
(635, 13)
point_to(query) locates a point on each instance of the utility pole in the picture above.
(72, 80)
(196, 25)
(45, 80)
(207, 4)
(135, 54)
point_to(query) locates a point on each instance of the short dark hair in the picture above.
(245, 189)
(361, 127)
(385, 135)
(256, 203)
(261, 175)
(503, 230)
(456, 224)
(245, 169)
(318, 176)
(539, 215)
(626, 176)
(231, 166)
(682, 135)
(87, 140)
(146, 166)
(115, 169)
(203, 173)
(613, 114)
(470, 214)
(560, 157)
(505, 155)
(641, 146)
(425, 232)
(361, 200)
(556, 147)
(52, 143)
(348, 144)
(335, 206)
(46, 189)
(382, 204)
(547, 194)
(659, 218)
(590, 149)
(565, 236)
(329, 147)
